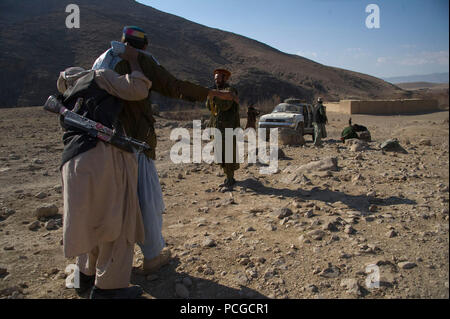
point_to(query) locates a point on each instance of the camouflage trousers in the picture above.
(319, 133)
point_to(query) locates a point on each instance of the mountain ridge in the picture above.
(432, 78)
(190, 51)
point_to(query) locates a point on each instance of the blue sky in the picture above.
(412, 38)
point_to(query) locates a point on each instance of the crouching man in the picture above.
(102, 218)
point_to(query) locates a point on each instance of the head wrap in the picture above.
(135, 34)
(224, 72)
(68, 77)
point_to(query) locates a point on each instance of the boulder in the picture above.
(290, 137)
(295, 175)
(392, 145)
(46, 211)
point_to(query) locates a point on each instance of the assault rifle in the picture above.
(93, 128)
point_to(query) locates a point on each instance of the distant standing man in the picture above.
(319, 119)
(225, 114)
(252, 114)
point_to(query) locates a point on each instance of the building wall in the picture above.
(383, 106)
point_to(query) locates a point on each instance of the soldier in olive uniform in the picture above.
(225, 114)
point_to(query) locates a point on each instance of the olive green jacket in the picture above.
(137, 117)
(224, 114)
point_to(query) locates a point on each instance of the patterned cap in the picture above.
(135, 33)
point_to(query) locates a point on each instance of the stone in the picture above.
(357, 177)
(349, 229)
(41, 195)
(406, 265)
(14, 157)
(326, 164)
(331, 226)
(392, 145)
(181, 291)
(282, 213)
(316, 234)
(392, 233)
(3, 271)
(351, 285)
(34, 225)
(330, 272)
(356, 145)
(312, 289)
(46, 211)
(209, 243)
(309, 213)
(51, 225)
(425, 142)
(204, 210)
(58, 189)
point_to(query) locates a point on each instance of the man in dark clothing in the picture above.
(319, 119)
(252, 113)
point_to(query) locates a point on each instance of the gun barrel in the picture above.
(53, 105)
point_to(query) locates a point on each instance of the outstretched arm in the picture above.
(168, 85)
(131, 87)
(224, 95)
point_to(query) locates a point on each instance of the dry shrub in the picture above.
(186, 115)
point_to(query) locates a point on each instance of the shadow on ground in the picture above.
(356, 202)
(163, 286)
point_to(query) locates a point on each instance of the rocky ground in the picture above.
(305, 232)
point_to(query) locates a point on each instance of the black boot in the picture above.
(86, 283)
(230, 182)
(225, 182)
(132, 292)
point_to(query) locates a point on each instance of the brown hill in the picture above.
(35, 45)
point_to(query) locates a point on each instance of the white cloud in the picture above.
(436, 57)
(382, 59)
(408, 46)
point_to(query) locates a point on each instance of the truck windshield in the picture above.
(288, 108)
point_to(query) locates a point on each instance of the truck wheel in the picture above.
(300, 129)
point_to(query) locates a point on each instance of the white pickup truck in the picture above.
(292, 113)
